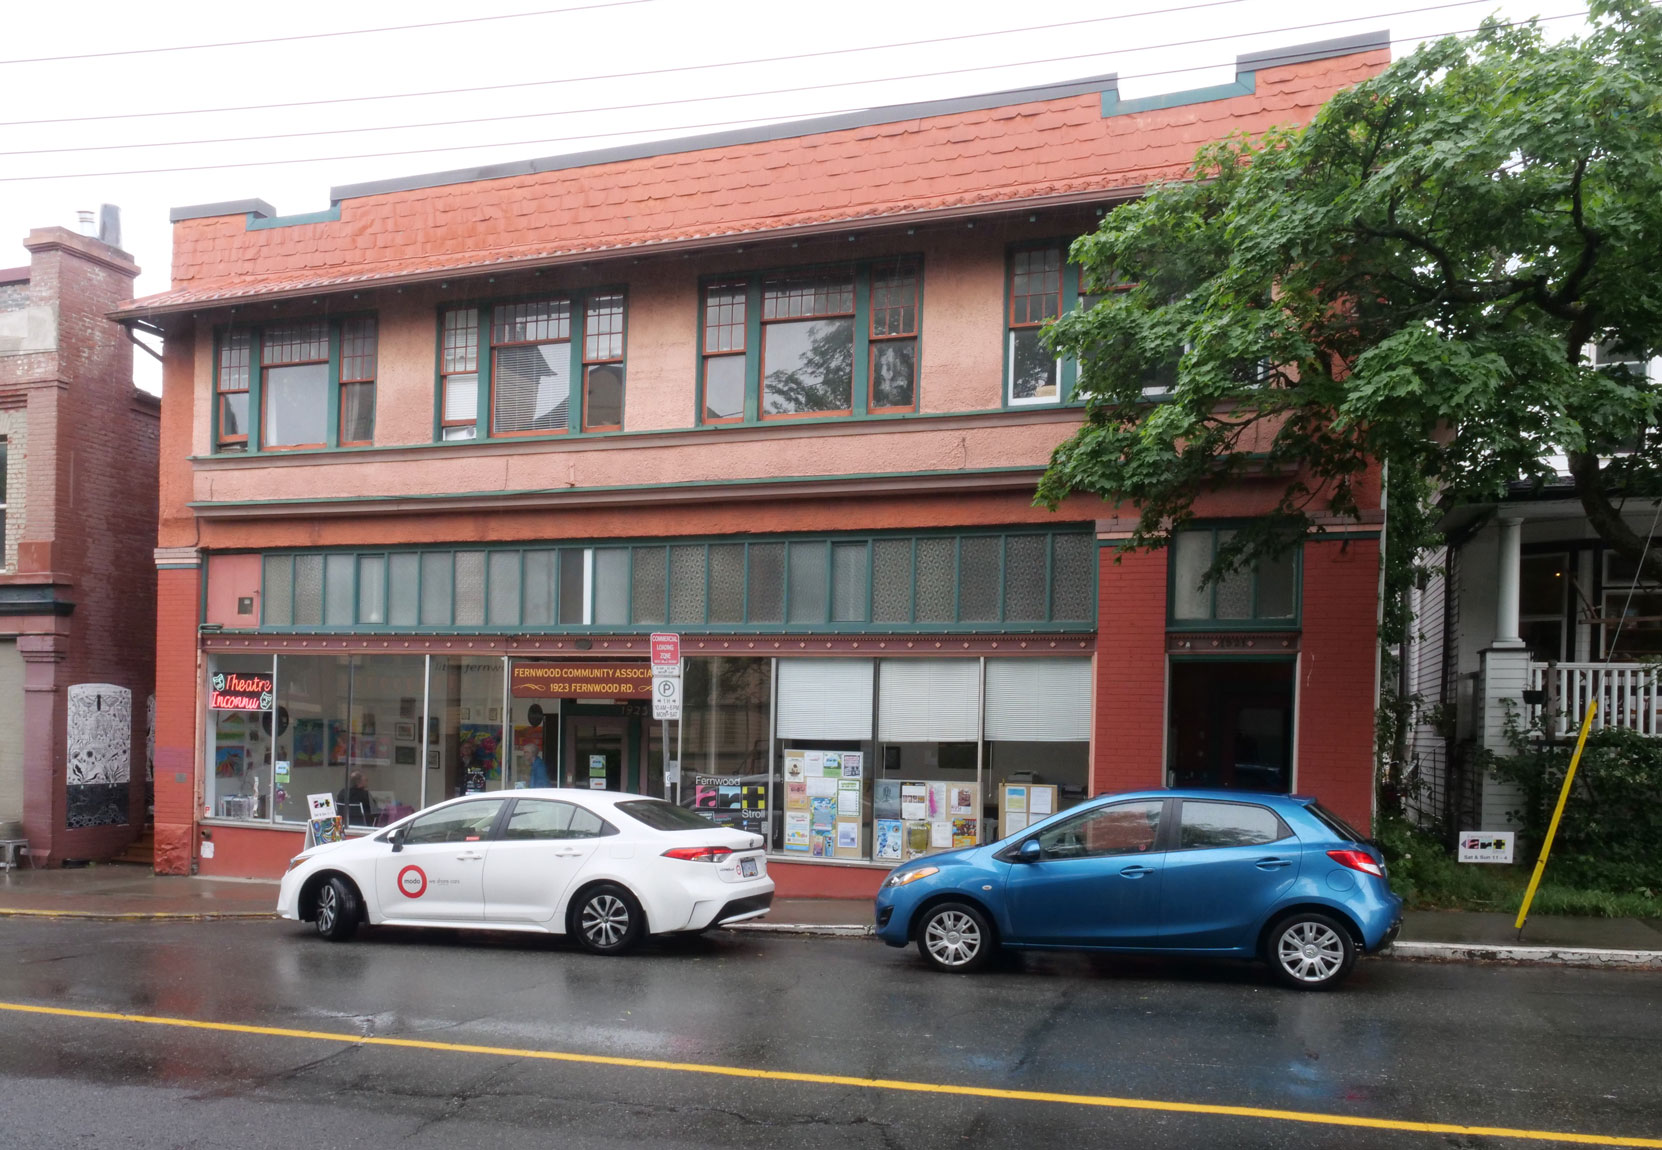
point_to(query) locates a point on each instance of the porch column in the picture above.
(1506, 584)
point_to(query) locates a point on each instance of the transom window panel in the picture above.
(812, 343)
(296, 384)
(1263, 594)
(1035, 290)
(988, 581)
(552, 366)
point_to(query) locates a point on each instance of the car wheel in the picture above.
(955, 936)
(607, 920)
(337, 910)
(1310, 951)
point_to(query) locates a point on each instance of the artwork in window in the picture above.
(531, 388)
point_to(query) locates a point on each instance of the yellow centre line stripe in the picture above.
(902, 1085)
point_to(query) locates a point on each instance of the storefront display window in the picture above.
(239, 737)
(466, 727)
(928, 781)
(351, 726)
(726, 708)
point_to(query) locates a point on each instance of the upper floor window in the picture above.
(1033, 374)
(523, 385)
(308, 383)
(1265, 592)
(840, 341)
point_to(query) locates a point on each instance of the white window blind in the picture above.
(1039, 700)
(825, 698)
(929, 701)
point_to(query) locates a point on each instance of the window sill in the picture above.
(809, 860)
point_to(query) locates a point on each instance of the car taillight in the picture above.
(699, 854)
(1357, 860)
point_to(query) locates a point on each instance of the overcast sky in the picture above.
(549, 77)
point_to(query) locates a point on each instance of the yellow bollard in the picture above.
(1558, 813)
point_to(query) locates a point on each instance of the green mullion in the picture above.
(1050, 578)
(753, 351)
(862, 339)
(331, 435)
(1068, 374)
(706, 584)
(744, 612)
(256, 389)
(574, 403)
(957, 578)
(912, 585)
(482, 402)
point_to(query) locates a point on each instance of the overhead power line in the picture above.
(322, 35)
(676, 69)
(709, 125)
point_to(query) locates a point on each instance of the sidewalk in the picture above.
(134, 893)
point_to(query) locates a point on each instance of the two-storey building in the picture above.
(439, 459)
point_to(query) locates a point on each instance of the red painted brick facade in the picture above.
(85, 523)
(1128, 747)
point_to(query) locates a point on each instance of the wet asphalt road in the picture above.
(1543, 1049)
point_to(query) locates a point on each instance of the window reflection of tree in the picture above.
(818, 378)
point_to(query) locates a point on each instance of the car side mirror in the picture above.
(1030, 851)
(397, 840)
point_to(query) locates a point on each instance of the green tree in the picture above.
(1414, 277)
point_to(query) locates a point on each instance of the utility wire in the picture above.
(658, 103)
(657, 129)
(675, 70)
(322, 35)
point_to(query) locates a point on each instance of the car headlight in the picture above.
(296, 861)
(901, 878)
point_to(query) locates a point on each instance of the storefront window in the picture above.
(1038, 729)
(725, 710)
(536, 742)
(350, 727)
(825, 747)
(466, 727)
(239, 737)
(927, 796)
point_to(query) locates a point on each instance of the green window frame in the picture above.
(857, 325)
(544, 365)
(1264, 596)
(1016, 580)
(329, 364)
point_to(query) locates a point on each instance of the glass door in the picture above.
(596, 750)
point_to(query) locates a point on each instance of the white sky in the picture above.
(48, 171)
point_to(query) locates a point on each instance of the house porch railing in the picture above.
(1629, 696)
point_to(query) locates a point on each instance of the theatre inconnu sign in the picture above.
(580, 679)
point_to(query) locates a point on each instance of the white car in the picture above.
(604, 867)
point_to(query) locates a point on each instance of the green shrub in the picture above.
(1610, 838)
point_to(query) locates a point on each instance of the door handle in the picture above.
(469, 858)
(568, 854)
(1272, 863)
(1136, 871)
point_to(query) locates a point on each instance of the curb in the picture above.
(823, 930)
(138, 916)
(1581, 956)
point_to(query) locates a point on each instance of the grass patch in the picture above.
(1427, 877)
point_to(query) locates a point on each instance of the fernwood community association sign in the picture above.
(580, 680)
(238, 691)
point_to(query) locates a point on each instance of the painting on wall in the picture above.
(308, 742)
(100, 743)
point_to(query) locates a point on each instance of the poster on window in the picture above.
(732, 801)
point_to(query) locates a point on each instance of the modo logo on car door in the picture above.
(412, 881)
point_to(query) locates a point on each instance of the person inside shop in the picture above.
(539, 771)
(355, 802)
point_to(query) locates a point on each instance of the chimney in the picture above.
(109, 224)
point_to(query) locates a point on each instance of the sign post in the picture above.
(666, 693)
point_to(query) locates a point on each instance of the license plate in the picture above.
(747, 868)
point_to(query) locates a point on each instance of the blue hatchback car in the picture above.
(1196, 872)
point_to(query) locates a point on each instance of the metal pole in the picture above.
(1558, 813)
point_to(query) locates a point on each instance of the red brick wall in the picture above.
(176, 706)
(1128, 745)
(1337, 675)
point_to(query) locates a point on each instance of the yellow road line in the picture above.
(1301, 1116)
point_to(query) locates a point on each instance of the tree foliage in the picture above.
(1414, 278)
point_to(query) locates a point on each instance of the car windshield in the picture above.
(662, 816)
(1336, 824)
